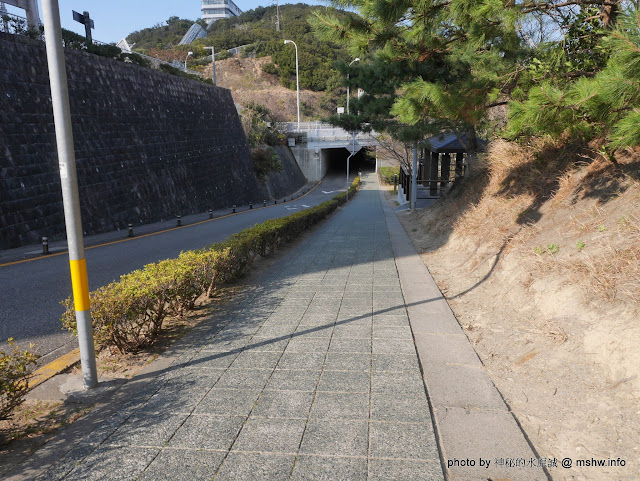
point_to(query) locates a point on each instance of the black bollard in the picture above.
(275, 201)
(130, 230)
(210, 213)
(179, 221)
(250, 205)
(264, 203)
(45, 246)
(234, 208)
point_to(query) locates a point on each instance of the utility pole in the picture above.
(277, 17)
(353, 151)
(213, 59)
(70, 196)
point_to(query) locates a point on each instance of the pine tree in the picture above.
(606, 104)
(445, 63)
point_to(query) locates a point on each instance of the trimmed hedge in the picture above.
(16, 368)
(128, 314)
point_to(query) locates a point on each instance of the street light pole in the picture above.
(353, 151)
(297, 79)
(185, 60)
(213, 59)
(69, 182)
(357, 59)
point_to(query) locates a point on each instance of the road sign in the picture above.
(78, 17)
(353, 147)
(85, 20)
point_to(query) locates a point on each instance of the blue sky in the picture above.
(115, 19)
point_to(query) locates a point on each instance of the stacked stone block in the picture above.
(149, 145)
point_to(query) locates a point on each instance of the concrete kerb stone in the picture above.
(471, 419)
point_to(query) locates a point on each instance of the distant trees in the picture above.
(257, 28)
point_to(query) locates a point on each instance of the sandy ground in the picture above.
(550, 304)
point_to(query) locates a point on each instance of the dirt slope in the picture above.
(539, 257)
(248, 83)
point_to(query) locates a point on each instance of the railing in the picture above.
(323, 131)
(15, 24)
(437, 174)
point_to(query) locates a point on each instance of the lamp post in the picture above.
(185, 60)
(357, 59)
(297, 79)
(213, 59)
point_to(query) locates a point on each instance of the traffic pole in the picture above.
(414, 177)
(69, 181)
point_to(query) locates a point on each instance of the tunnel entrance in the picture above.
(336, 161)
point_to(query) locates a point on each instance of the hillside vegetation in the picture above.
(257, 28)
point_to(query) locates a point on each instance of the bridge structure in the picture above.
(317, 145)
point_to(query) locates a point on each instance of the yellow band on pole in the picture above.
(80, 284)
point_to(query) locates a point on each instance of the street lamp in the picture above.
(297, 79)
(357, 59)
(213, 59)
(185, 60)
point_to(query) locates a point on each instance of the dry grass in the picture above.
(557, 210)
(250, 84)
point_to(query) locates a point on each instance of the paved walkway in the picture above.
(312, 374)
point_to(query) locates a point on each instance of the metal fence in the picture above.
(10, 23)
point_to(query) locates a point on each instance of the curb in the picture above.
(56, 366)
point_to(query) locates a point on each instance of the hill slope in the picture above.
(539, 257)
(249, 83)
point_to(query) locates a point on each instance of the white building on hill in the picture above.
(213, 10)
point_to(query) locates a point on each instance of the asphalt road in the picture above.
(31, 291)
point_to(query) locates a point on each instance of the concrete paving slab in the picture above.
(203, 431)
(340, 405)
(395, 363)
(191, 464)
(228, 402)
(406, 470)
(470, 435)
(255, 467)
(270, 435)
(284, 404)
(113, 463)
(402, 441)
(345, 381)
(443, 349)
(321, 468)
(335, 437)
(397, 407)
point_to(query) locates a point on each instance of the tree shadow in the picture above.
(540, 177)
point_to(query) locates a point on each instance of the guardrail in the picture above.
(322, 130)
(11, 23)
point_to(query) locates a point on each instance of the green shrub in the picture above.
(265, 162)
(270, 68)
(129, 314)
(386, 174)
(16, 368)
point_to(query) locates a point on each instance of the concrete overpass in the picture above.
(317, 145)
